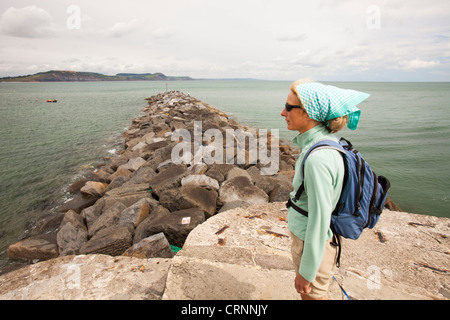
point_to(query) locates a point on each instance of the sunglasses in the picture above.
(289, 107)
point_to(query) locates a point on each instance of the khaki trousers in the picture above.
(327, 268)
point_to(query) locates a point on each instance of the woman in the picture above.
(317, 111)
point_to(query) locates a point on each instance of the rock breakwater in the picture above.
(183, 162)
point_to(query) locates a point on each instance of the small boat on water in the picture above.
(52, 100)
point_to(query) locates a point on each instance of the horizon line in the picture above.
(209, 79)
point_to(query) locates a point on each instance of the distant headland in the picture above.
(67, 76)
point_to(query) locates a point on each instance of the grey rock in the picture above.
(155, 246)
(42, 247)
(78, 203)
(108, 218)
(133, 164)
(190, 196)
(144, 229)
(168, 178)
(177, 225)
(240, 188)
(200, 180)
(111, 241)
(72, 234)
(135, 214)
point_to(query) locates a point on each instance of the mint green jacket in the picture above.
(324, 175)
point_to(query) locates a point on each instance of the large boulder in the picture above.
(236, 172)
(177, 225)
(201, 198)
(108, 218)
(168, 178)
(200, 180)
(77, 185)
(90, 214)
(78, 203)
(240, 188)
(133, 164)
(42, 247)
(122, 172)
(94, 189)
(143, 175)
(101, 175)
(72, 234)
(281, 191)
(145, 228)
(189, 196)
(155, 246)
(278, 188)
(129, 194)
(112, 241)
(134, 214)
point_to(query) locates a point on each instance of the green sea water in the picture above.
(44, 147)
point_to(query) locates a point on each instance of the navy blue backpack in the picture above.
(363, 193)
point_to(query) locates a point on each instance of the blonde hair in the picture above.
(336, 124)
(333, 125)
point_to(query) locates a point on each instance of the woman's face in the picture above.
(297, 119)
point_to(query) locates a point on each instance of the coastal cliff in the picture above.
(70, 76)
(165, 192)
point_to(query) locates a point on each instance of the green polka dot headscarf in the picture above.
(325, 102)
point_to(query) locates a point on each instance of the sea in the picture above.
(44, 147)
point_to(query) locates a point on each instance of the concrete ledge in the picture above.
(239, 254)
(87, 277)
(245, 254)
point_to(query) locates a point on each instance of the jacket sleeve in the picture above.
(321, 172)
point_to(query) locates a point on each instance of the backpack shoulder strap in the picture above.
(322, 144)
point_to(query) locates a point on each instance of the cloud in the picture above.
(121, 29)
(28, 22)
(441, 38)
(294, 38)
(414, 64)
(163, 33)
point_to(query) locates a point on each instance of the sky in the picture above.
(328, 40)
